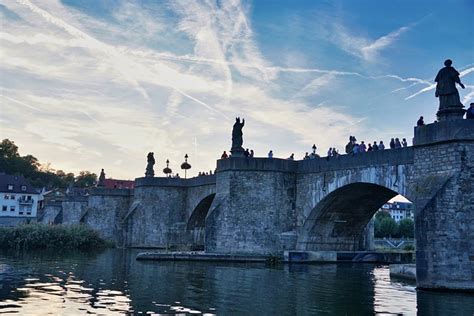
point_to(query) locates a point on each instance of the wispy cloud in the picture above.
(158, 76)
(363, 47)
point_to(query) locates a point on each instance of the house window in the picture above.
(10, 187)
(12, 208)
(28, 198)
(6, 197)
(12, 197)
(21, 212)
(23, 187)
(28, 212)
(4, 208)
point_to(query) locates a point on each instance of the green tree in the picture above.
(85, 179)
(8, 149)
(9, 156)
(381, 215)
(386, 227)
(406, 228)
(39, 175)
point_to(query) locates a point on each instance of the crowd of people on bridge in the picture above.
(352, 148)
(205, 173)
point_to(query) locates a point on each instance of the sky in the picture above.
(98, 84)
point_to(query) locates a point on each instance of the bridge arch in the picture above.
(196, 223)
(338, 220)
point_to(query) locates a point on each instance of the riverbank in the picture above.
(42, 236)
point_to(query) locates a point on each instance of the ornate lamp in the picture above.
(185, 165)
(167, 171)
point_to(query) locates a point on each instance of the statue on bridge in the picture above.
(450, 105)
(101, 182)
(149, 172)
(237, 138)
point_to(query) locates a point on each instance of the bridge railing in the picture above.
(397, 156)
(175, 182)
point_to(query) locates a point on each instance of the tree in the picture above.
(406, 228)
(381, 215)
(386, 227)
(85, 179)
(8, 149)
(39, 175)
(64, 179)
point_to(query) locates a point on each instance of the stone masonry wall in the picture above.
(251, 212)
(444, 216)
(105, 212)
(157, 218)
(73, 210)
(196, 194)
(50, 212)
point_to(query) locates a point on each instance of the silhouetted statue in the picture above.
(101, 182)
(446, 91)
(149, 167)
(237, 138)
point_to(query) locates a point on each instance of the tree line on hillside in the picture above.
(39, 175)
(386, 226)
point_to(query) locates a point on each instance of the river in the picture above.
(114, 283)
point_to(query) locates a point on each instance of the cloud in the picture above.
(92, 92)
(362, 47)
(316, 86)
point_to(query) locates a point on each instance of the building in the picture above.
(18, 199)
(118, 184)
(398, 210)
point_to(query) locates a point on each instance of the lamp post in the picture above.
(185, 165)
(167, 171)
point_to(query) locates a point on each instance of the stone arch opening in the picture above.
(196, 224)
(337, 222)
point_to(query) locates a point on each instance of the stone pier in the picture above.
(443, 196)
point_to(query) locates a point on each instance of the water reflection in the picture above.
(114, 283)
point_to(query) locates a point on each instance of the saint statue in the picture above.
(446, 91)
(101, 182)
(149, 167)
(237, 135)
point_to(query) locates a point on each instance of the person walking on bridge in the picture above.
(470, 112)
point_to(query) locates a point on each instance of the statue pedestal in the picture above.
(451, 113)
(237, 152)
(149, 173)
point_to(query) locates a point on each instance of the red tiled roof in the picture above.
(119, 184)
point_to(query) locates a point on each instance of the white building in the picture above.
(398, 210)
(17, 197)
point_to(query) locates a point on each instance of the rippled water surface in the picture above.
(113, 283)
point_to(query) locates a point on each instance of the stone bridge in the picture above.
(316, 204)
(266, 206)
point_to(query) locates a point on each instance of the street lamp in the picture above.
(185, 165)
(167, 171)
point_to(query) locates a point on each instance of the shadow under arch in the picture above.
(336, 223)
(196, 224)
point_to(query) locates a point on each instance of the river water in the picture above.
(114, 283)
